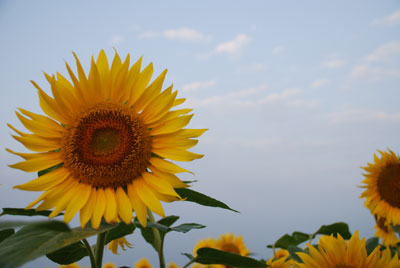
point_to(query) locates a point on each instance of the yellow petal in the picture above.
(49, 106)
(87, 209)
(43, 121)
(141, 84)
(124, 206)
(171, 126)
(179, 101)
(78, 201)
(176, 154)
(41, 162)
(151, 92)
(45, 181)
(168, 117)
(137, 205)
(173, 180)
(38, 144)
(159, 106)
(110, 214)
(147, 196)
(166, 166)
(158, 184)
(99, 208)
(65, 199)
(173, 142)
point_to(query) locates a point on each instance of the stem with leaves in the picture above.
(101, 239)
(90, 252)
(157, 240)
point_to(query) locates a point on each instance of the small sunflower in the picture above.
(382, 183)
(204, 243)
(72, 265)
(173, 265)
(385, 231)
(111, 136)
(233, 244)
(143, 263)
(335, 252)
(122, 242)
(109, 265)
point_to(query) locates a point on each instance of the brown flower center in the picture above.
(389, 184)
(230, 247)
(343, 266)
(106, 146)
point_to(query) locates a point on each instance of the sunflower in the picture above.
(382, 183)
(109, 265)
(72, 265)
(335, 252)
(143, 263)
(233, 244)
(385, 231)
(122, 242)
(204, 243)
(109, 137)
(173, 265)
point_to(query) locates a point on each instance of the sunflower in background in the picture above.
(143, 263)
(279, 260)
(385, 231)
(227, 242)
(173, 265)
(110, 136)
(335, 252)
(109, 265)
(382, 183)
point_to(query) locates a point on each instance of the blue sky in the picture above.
(297, 96)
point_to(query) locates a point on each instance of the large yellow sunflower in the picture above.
(335, 252)
(111, 135)
(382, 183)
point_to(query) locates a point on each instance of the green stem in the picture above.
(187, 264)
(90, 252)
(157, 240)
(274, 251)
(101, 240)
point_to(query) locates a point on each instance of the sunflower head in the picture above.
(173, 265)
(143, 263)
(109, 265)
(111, 134)
(336, 252)
(382, 183)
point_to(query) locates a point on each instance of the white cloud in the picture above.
(148, 34)
(320, 83)
(278, 50)
(251, 98)
(185, 34)
(233, 47)
(351, 115)
(194, 86)
(388, 20)
(384, 52)
(365, 71)
(115, 40)
(252, 67)
(334, 63)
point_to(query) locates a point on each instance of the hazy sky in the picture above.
(297, 96)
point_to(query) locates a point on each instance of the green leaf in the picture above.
(6, 233)
(169, 220)
(47, 225)
(371, 244)
(290, 240)
(201, 199)
(31, 242)
(293, 250)
(189, 256)
(186, 227)
(26, 212)
(42, 172)
(69, 254)
(122, 229)
(215, 256)
(336, 228)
